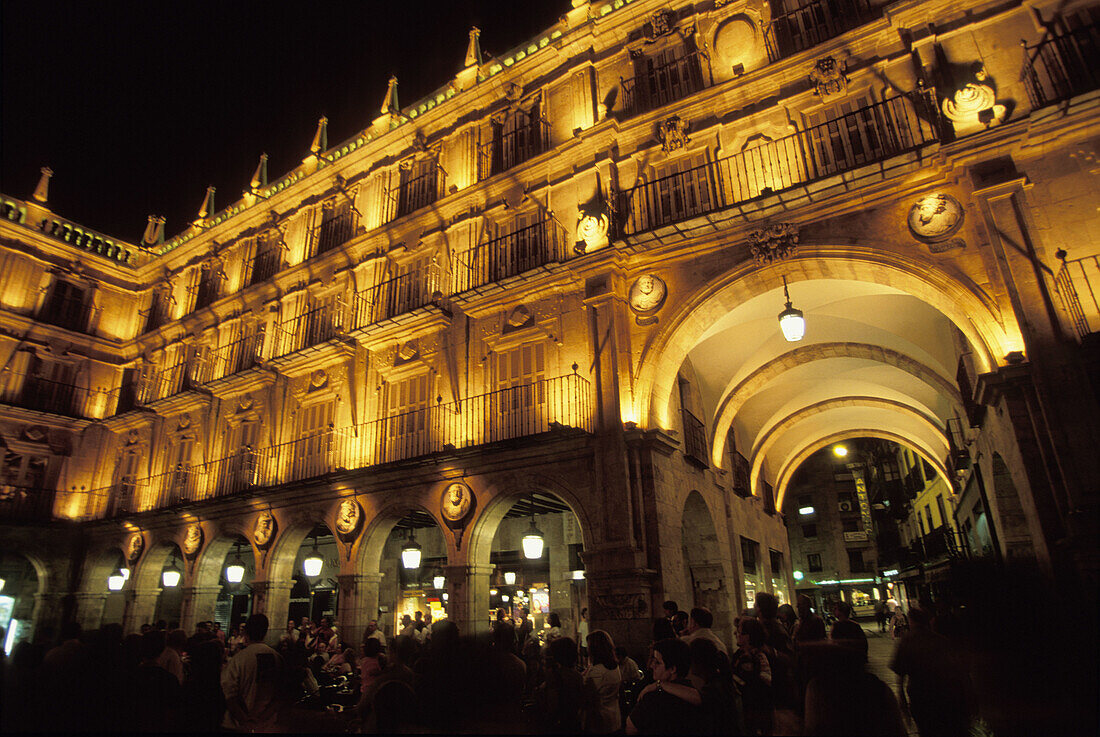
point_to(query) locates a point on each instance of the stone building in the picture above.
(546, 295)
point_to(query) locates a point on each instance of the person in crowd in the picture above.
(559, 697)
(554, 632)
(371, 662)
(325, 631)
(601, 686)
(202, 702)
(842, 698)
(680, 622)
(171, 659)
(788, 619)
(250, 682)
(290, 634)
(216, 630)
(699, 626)
(237, 639)
(669, 705)
(524, 631)
(509, 668)
(145, 628)
(629, 672)
(899, 623)
(408, 629)
(767, 611)
(845, 629)
(752, 673)
(582, 635)
(711, 675)
(65, 670)
(932, 685)
(670, 607)
(375, 633)
(342, 662)
(881, 615)
(810, 627)
(663, 629)
(153, 694)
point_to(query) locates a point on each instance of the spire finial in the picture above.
(259, 177)
(320, 138)
(42, 191)
(154, 231)
(207, 208)
(390, 105)
(473, 48)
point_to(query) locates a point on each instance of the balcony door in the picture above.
(238, 469)
(852, 133)
(518, 405)
(407, 429)
(313, 438)
(684, 189)
(180, 481)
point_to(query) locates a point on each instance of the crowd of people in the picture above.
(788, 672)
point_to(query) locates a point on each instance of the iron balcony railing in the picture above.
(812, 23)
(240, 355)
(25, 503)
(695, 438)
(321, 322)
(510, 255)
(266, 264)
(333, 232)
(185, 375)
(662, 84)
(860, 138)
(208, 291)
(1060, 67)
(393, 297)
(507, 149)
(417, 187)
(505, 414)
(1077, 282)
(68, 313)
(27, 390)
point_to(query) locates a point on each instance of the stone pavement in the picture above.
(880, 650)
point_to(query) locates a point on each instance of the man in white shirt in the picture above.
(699, 627)
(250, 682)
(374, 633)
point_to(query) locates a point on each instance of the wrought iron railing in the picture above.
(1060, 67)
(176, 378)
(860, 138)
(695, 438)
(662, 84)
(505, 414)
(25, 503)
(321, 322)
(417, 187)
(239, 355)
(266, 264)
(510, 255)
(209, 290)
(68, 313)
(1077, 282)
(393, 297)
(334, 232)
(29, 391)
(526, 141)
(812, 23)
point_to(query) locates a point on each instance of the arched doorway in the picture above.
(315, 589)
(705, 574)
(17, 599)
(237, 573)
(413, 562)
(170, 600)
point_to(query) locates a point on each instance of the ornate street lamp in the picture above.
(313, 564)
(170, 576)
(234, 572)
(510, 576)
(410, 552)
(438, 581)
(533, 541)
(791, 321)
(116, 581)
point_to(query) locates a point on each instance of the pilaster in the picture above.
(198, 605)
(468, 597)
(358, 604)
(141, 606)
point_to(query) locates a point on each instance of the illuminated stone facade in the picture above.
(559, 275)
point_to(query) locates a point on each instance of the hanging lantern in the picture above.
(116, 581)
(410, 553)
(533, 542)
(234, 572)
(125, 573)
(438, 582)
(791, 321)
(510, 577)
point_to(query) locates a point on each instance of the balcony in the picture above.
(242, 354)
(813, 23)
(209, 291)
(1060, 67)
(320, 323)
(266, 264)
(333, 232)
(695, 439)
(662, 83)
(393, 297)
(512, 148)
(1077, 282)
(68, 313)
(170, 381)
(25, 504)
(420, 184)
(865, 138)
(38, 393)
(511, 255)
(506, 414)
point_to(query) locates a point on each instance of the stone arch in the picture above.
(736, 397)
(383, 519)
(960, 300)
(1012, 523)
(219, 540)
(783, 478)
(278, 564)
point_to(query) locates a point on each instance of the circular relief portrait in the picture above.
(457, 499)
(647, 293)
(264, 529)
(935, 218)
(134, 545)
(192, 539)
(347, 520)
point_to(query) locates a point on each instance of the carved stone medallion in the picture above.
(647, 295)
(592, 228)
(349, 516)
(263, 531)
(935, 218)
(192, 539)
(456, 503)
(135, 545)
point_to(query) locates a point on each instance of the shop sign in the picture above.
(864, 502)
(855, 537)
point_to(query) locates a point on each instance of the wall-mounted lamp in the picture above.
(510, 577)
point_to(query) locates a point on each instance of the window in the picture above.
(847, 134)
(160, 309)
(661, 78)
(855, 561)
(268, 259)
(775, 558)
(519, 396)
(337, 225)
(682, 189)
(66, 307)
(419, 185)
(695, 434)
(407, 426)
(51, 387)
(850, 525)
(749, 553)
(813, 562)
(180, 486)
(809, 530)
(125, 486)
(941, 509)
(238, 468)
(24, 469)
(313, 434)
(740, 469)
(928, 517)
(516, 137)
(209, 288)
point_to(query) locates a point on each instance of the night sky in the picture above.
(138, 107)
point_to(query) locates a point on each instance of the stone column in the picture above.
(561, 589)
(272, 598)
(141, 605)
(358, 604)
(46, 619)
(198, 606)
(89, 610)
(620, 596)
(468, 598)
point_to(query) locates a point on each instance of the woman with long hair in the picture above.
(600, 705)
